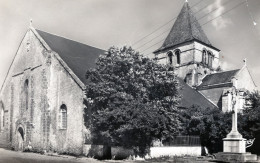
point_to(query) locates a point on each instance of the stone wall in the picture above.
(49, 86)
(198, 54)
(191, 59)
(175, 151)
(186, 54)
(244, 80)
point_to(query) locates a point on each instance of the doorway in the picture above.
(20, 138)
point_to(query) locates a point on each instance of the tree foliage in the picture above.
(133, 100)
(252, 120)
(212, 125)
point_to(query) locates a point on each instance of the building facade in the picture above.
(188, 52)
(41, 99)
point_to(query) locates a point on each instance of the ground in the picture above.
(7, 156)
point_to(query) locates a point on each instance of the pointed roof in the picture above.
(79, 57)
(186, 28)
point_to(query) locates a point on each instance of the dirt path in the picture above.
(7, 156)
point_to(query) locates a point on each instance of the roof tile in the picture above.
(79, 57)
(218, 78)
(186, 28)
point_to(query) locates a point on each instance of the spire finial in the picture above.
(244, 61)
(30, 22)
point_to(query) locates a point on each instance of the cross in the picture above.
(245, 61)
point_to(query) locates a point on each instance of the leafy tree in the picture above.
(252, 120)
(212, 125)
(133, 100)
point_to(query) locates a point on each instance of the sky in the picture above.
(103, 23)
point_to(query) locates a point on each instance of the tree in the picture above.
(252, 120)
(133, 100)
(211, 124)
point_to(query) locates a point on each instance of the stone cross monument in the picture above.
(234, 142)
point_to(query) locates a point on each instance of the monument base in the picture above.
(234, 145)
(236, 157)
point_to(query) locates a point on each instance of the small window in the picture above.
(207, 59)
(204, 53)
(210, 59)
(2, 116)
(170, 55)
(26, 96)
(178, 56)
(63, 116)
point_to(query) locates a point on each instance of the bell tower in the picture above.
(187, 50)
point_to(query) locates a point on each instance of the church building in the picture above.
(188, 52)
(41, 99)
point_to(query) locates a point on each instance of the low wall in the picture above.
(101, 152)
(175, 151)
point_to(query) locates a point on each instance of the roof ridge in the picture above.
(218, 78)
(190, 23)
(223, 72)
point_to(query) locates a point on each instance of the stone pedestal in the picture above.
(234, 143)
(235, 149)
(236, 157)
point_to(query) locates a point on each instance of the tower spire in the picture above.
(186, 28)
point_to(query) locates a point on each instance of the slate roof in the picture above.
(79, 57)
(186, 28)
(192, 97)
(218, 78)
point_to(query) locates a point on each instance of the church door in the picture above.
(20, 139)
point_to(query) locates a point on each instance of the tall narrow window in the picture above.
(207, 59)
(177, 53)
(26, 96)
(2, 118)
(170, 55)
(204, 53)
(63, 116)
(210, 59)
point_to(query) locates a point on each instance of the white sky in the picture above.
(102, 23)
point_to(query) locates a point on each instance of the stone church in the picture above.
(187, 51)
(41, 99)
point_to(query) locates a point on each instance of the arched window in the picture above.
(170, 55)
(204, 53)
(207, 59)
(210, 59)
(2, 116)
(63, 116)
(178, 56)
(26, 96)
